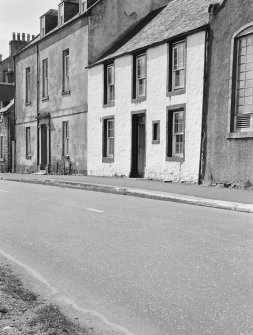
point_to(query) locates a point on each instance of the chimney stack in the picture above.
(28, 37)
(33, 36)
(1, 58)
(18, 36)
(23, 36)
(13, 36)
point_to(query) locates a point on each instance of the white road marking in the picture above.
(3, 191)
(63, 298)
(94, 210)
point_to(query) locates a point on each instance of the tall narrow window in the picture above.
(109, 84)
(28, 142)
(178, 134)
(178, 66)
(65, 138)
(140, 76)
(28, 85)
(156, 132)
(66, 71)
(108, 140)
(61, 14)
(244, 81)
(1, 147)
(45, 78)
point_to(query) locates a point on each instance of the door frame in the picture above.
(45, 121)
(134, 161)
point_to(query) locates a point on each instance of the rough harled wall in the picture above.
(157, 167)
(62, 107)
(226, 160)
(112, 18)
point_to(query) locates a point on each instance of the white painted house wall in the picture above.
(156, 165)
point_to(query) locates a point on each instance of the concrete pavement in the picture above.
(215, 197)
(130, 265)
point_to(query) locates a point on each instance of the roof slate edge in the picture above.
(148, 46)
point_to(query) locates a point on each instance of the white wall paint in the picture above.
(156, 165)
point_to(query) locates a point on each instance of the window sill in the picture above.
(176, 92)
(240, 135)
(45, 99)
(155, 141)
(138, 100)
(28, 104)
(175, 159)
(28, 157)
(65, 157)
(110, 104)
(108, 159)
(65, 93)
(2, 160)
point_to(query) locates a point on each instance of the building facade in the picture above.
(146, 98)
(51, 94)
(52, 84)
(228, 132)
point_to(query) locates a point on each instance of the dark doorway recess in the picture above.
(138, 145)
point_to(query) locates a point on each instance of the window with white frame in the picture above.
(109, 94)
(178, 66)
(65, 138)
(45, 78)
(28, 142)
(65, 88)
(141, 76)
(178, 134)
(243, 116)
(108, 140)
(1, 147)
(28, 85)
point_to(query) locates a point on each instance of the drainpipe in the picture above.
(12, 145)
(202, 162)
(38, 113)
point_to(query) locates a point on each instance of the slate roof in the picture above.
(178, 17)
(7, 92)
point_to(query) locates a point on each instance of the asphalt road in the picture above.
(142, 267)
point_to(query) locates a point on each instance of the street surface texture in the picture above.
(131, 265)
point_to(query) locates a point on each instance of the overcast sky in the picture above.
(21, 16)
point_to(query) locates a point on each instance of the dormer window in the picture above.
(61, 14)
(43, 26)
(83, 6)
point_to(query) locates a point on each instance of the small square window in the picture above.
(156, 132)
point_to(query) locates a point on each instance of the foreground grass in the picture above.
(23, 313)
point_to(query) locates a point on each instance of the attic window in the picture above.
(42, 26)
(83, 6)
(61, 14)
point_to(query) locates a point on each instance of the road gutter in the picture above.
(140, 193)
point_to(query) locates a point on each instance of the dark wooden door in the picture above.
(43, 147)
(138, 145)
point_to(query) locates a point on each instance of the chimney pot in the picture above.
(1, 58)
(18, 36)
(33, 36)
(23, 36)
(28, 37)
(13, 36)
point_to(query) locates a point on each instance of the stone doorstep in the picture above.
(142, 193)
